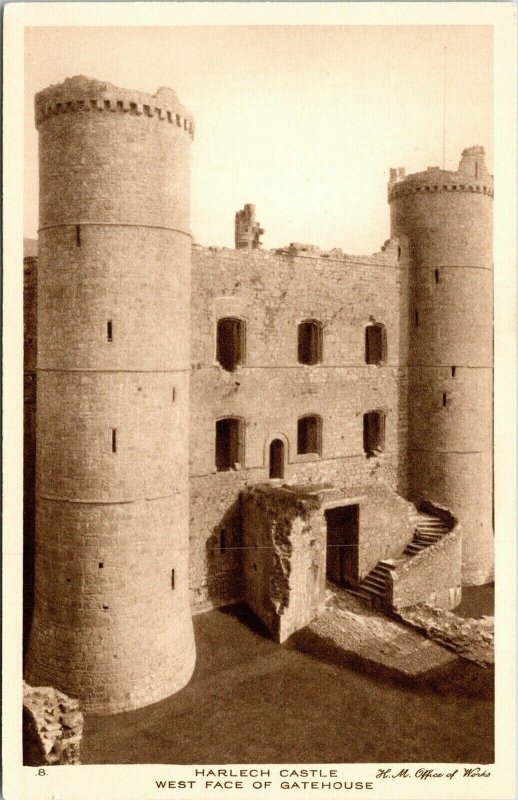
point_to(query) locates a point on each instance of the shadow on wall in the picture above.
(28, 575)
(224, 558)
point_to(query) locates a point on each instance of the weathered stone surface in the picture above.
(446, 218)
(284, 562)
(112, 623)
(366, 634)
(432, 576)
(471, 638)
(285, 543)
(52, 727)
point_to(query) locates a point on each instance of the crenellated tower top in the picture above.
(82, 94)
(471, 176)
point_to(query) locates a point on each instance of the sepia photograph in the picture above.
(258, 406)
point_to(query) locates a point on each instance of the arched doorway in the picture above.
(276, 458)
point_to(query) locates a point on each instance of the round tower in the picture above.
(447, 220)
(112, 623)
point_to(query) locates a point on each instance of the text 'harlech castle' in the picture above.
(213, 425)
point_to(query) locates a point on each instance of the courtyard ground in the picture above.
(253, 701)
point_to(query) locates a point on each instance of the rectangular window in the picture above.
(310, 342)
(375, 344)
(114, 440)
(373, 432)
(229, 443)
(172, 579)
(309, 435)
(230, 345)
(109, 330)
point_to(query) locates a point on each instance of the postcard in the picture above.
(259, 438)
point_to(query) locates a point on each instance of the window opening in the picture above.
(309, 435)
(310, 342)
(373, 432)
(229, 443)
(230, 346)
(109, 330)
(375, 344)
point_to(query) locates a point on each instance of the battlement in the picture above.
(387, 256)
(471, 176)
(81, 94)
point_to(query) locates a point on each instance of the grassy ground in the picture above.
(253, 701)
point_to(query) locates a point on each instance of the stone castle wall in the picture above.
(133, 518)
(112, 624)
(272, 292)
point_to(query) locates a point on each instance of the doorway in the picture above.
(276, 458)
(343, 526)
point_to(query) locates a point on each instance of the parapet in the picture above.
(471, 176)
(81, 94)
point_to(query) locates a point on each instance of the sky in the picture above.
(303, 121)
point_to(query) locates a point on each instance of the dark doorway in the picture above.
(276, 458)
(342, 544)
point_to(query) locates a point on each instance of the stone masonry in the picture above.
(149, 441)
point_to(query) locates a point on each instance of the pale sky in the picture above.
(303, 121)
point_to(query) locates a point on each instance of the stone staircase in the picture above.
(428, 529)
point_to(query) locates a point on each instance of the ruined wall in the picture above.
(447, 217)
(52, 727)
(433, 576)
(112, 624)
(272, 292)
(284, 557)
(385, 526)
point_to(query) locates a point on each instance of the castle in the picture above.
(213, 425)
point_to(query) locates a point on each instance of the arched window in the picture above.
(229, 443)
(230, 345)
(310, 342)
(309, 435)
(375, 344)
(276, 469)
(374, 432)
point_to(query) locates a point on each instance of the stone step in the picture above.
(371, 590)
(373, 581)
(429, 526)
(413, 549)
(381, 569)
